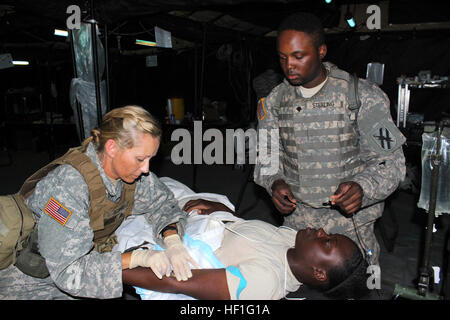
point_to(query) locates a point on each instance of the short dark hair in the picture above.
(304, 22)
(349, 280)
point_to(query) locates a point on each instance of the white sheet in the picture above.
(206, 228)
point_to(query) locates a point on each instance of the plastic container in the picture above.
(443, 190)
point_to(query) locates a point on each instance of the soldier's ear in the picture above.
(322, 51)
(111, 148)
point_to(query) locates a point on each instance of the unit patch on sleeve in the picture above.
(57, 211)
(261, 109)
(384, 138)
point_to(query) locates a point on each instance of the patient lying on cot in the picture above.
(245, 259)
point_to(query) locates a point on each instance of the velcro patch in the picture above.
(57, 211)
(261, 109)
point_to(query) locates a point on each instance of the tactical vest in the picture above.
(320, 138)
(105, 215)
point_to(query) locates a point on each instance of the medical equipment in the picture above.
(422, 292)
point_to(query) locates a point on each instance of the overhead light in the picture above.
(62, 33)
(20, 63)
(350, 20)
(146, 43)
(328, 1)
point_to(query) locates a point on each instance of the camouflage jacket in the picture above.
(316, 133)
(73, 264)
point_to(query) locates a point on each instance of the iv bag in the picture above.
(82, 88)
(429, 145)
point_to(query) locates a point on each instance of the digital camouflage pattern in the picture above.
(322, 143)
(75, 268)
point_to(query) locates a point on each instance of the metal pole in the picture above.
(195, 82)
(202, 74)
(96, 75)
(95, 57)
(406, 105)
(400, 105)
(108, 101)
(75, 73)
(436, 162)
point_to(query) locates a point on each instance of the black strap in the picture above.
(137, 247)
(353, 100)
(21, 226)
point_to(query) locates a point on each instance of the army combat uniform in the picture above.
(323, 142)
(76, 249)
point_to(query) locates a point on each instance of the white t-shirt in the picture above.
(309, 92)
(258, 249)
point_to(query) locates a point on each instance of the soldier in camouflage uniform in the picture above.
(74, 240)
(338, 160)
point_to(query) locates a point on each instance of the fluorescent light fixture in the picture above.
(146, 43)
(20, 63)
(62, 33)
(328, 1)
(350, 20)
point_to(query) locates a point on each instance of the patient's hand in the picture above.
(205, 206)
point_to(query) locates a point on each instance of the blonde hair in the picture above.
(122, 125)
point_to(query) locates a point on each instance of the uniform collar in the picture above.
(111, 189)
(328, 66)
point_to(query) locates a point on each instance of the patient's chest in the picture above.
(251, 240)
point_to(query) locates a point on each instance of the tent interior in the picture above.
(217, 49)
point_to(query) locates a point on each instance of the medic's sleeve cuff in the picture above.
(271, 180)
(368, 190)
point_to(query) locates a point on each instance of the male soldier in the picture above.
(339, 156)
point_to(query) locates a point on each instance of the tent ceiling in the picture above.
(24, 22)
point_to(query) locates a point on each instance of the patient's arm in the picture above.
(205, 284)
(205, 206)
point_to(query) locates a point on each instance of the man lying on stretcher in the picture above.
(251, 259)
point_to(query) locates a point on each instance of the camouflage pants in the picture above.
(332, 221)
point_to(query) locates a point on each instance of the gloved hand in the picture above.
(179, 257)
(156, 260)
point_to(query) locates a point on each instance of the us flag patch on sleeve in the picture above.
(57, 211)
(261, 110)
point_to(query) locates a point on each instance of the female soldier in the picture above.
(79, 200)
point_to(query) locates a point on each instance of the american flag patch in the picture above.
(57, 211)
(261, 111)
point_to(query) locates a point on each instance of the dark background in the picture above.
(26, 31)
(415, 38)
